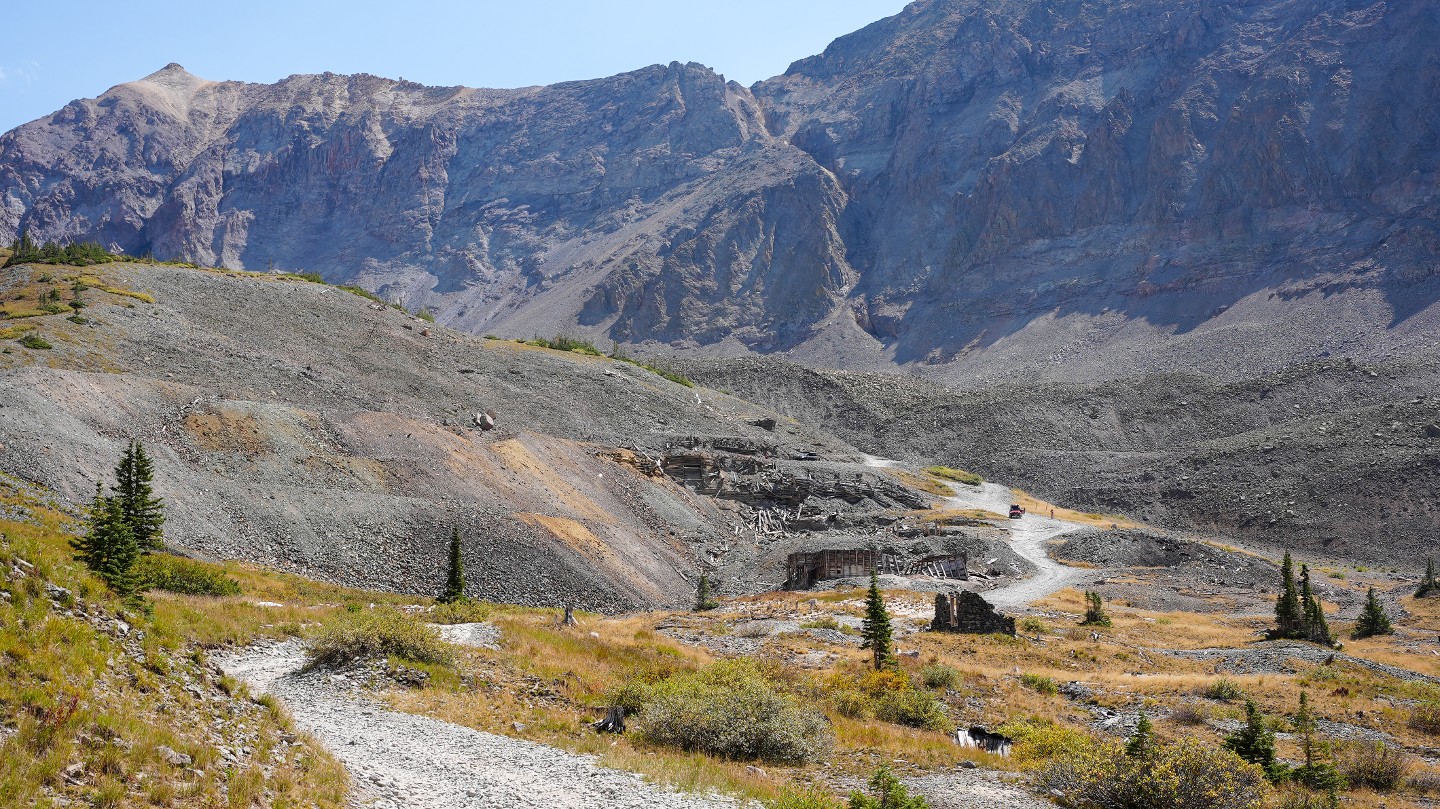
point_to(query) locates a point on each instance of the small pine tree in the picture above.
(1142, 744)
(1428, 585)
(1373, 620)
(704, 599)
(875, 629)
(1313, 626)
(1315, 773)
(1254, 742)
(888, 793)
(455, 579)
(1288, 617)
(142, 509)
(108, 547)
(1095, 610)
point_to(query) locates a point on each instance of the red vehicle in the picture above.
(1016, 512)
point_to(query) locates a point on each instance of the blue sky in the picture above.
(86, 47)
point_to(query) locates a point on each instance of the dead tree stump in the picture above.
(569, 618)
(614, 721)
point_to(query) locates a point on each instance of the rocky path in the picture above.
(401, 760)
(1028, 536)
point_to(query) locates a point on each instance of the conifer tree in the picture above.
(1288, 618)
(455, 579)
(1254, 742)
(875, 629)
(1142, 744)
(1315, 773)
(108, 547)
(1095, 610)
(1428, 585)
(704, 600)
(1313, 626)
(142, 509)
(1373, 620)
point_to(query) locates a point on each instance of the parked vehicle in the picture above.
(1016, 512)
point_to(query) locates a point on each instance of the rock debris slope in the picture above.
(301, 426)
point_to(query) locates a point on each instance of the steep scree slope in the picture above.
(302, 426)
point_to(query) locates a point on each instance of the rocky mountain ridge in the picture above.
(958, 177)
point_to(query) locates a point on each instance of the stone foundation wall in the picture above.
(967, 612)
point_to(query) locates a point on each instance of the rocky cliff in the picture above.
(1042, 175)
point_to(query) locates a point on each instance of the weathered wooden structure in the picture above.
(803, 570)
(967, 612)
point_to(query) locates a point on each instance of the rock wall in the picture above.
(969, 613)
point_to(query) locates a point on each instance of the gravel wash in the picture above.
(402, 760)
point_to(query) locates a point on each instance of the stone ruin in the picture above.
(967, 612)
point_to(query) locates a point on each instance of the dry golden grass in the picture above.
(1035, 505)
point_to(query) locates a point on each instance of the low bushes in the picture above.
(377, 633)
(1186, 774)
(940, 675)
(729, 709)
(889, 696)
(175, 574)
(1376, 765)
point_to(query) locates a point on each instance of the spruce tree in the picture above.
(108, 547)
(875, 629)
(1095, 610)
(1254, 742)
(1428, 585)
(1373, 620)
(1313, 626)
(142, 509)
(455, 579)
(1142, 744)
(1288, 617)
(1315, 773)
(704, 600)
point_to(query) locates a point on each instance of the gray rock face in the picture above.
(939, 181)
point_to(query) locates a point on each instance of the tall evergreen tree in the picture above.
(1428, 585)
(143, 510)
(108, 547)
(455, 579)
(1288, 618)
(1373, 620)
(1315, 773)
(875, 629)
(1254, 742)
(1313, 626)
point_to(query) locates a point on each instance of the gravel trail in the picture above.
(401, 760)
(1028, 536)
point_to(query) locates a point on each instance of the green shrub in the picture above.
(364, 293)
(957, 475)
(462, 611)
(33, 340)
(1225, 690)
(912, 707)
(1033, 626)
(1037, 739)
(377, 633)
(424, 314)
(1425, 717)
(312, 277)
(1040, 684)
(161, 571)
(729, 709)
(1187, 774)
(940, 675)
(1376, 765)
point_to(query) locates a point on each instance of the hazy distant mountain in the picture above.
(992, 188)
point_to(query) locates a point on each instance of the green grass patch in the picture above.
(957, 475)
(377, 632)
(174, 574)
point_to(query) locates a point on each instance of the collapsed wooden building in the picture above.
(804, 569)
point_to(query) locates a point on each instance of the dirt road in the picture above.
(1028, 536)
(400, 760)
